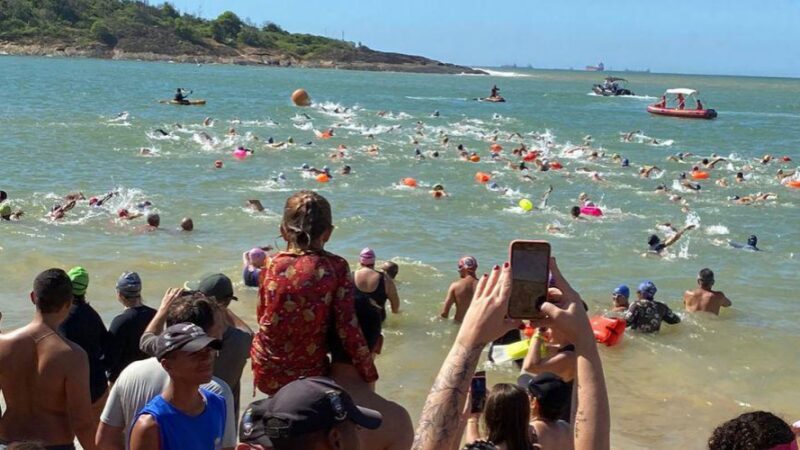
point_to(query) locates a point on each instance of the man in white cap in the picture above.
(461, 291)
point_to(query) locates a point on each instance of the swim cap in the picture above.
(367, 256)
(5, 209)
(625, 163)
(752, 240)
(647, 289)
(92, 201)
(653, 240)
(129, 283)
(80, 280)
(468, 263)
(622, 290)
(438, 187)
(257, 255)
(304, 166)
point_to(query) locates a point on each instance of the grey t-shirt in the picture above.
(143, 380)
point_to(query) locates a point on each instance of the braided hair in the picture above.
(306, 217)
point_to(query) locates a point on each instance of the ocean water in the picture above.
(59, 135)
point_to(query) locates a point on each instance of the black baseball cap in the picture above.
(548, 388)
(217, 285)
(186, 337)
(301, 407)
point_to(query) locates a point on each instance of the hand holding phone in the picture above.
(530, 273)
(478, 392)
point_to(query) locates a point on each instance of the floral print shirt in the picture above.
(305, 299)
(646, 316)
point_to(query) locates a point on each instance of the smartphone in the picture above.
(478, 392)
(530, 277)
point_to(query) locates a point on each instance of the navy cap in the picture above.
(302, 407)
(129, 283)
(647, 289)
(622, 290)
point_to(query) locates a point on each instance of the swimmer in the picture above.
(575, 213)
(583, 199)
(785, 175)
(625, 163)
(438, 191)
(722, 182)
(187, 224)
(619, 299)
(662, 188)
(739, 177)
(434, 154)
(752, 244)
(646, 171)
(95, 202)
(390, 268)
(153, 221)
(373, 150)
(346, 170)
(161, 132)
(546, 197)
(460, 292)
(657, 247)
(144, 151)
(281, 178)
(435, 113)
(232, 132)
(5, 209)
(704, 298)
(59, 211)
(688, 184)
(255, 205)
(418, 154)
(710, 164)
(124, 214)
(766, 159)
(208, 121)
(628, 137)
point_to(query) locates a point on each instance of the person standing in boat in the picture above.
(699, 105)
(681, 101)
(663, 102)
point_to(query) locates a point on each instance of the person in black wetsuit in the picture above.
(646, 314)
(84, 327)
(374, 286)
(181, 95)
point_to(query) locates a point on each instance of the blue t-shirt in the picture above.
(251, 276)
(182, 432)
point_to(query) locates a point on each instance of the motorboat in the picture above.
(611, 87)
(679, 96)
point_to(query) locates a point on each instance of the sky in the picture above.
(727, 37)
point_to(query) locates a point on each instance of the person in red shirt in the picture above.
(306, 299)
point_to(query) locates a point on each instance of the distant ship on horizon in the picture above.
(598, 68)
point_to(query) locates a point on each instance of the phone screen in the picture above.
(530, 271)
(478, 392)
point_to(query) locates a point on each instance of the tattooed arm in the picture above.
(590, 412)
(439, 426)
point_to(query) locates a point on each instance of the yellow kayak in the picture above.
(184, 103)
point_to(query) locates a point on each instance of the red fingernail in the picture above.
(485, 275)
(505, 265)
(496, 267)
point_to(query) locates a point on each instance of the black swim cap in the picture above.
(653, 240)
(752, 240)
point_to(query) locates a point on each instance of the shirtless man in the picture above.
(45, 377)
(397, 431)
(704, 298)
(461, 291)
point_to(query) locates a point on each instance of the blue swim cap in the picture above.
(304, 166)
(625, 162)
(647, 289)
(622, 290)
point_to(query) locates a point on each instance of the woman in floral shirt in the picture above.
(306, 298)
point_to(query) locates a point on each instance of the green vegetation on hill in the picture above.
(136, 26)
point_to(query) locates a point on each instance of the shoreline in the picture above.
(246, 58)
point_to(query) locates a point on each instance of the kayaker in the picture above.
(180, 95)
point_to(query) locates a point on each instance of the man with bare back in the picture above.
(461, 291)
(45, 377)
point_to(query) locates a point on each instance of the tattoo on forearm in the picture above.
(439, 423)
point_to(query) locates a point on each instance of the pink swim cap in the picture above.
(257, 255)
(467, 263)
(367, 256)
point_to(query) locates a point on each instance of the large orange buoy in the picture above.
(410, 182)
(482, 177)
(608, 330)
(323, 178)
(475, 158)
(794, 184)
(699, 175)
(300, 98)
